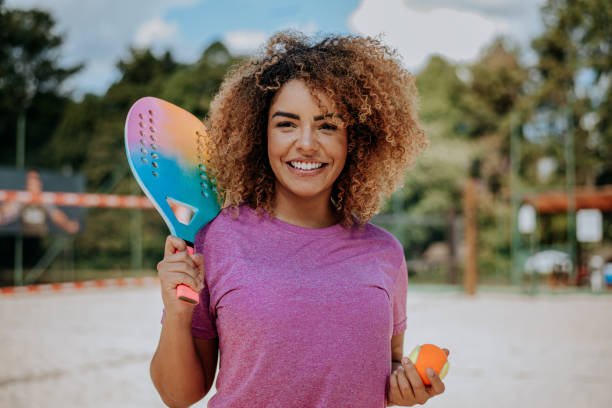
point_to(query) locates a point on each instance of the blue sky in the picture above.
(100, 32)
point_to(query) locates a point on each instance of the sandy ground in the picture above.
(92, 348)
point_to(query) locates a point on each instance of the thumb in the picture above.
(174, 244)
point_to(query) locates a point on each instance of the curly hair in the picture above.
(374, 96)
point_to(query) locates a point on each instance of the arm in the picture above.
(397, 351)
(60, 219)
(9, 212)
(182, 368)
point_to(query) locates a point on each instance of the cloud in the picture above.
(457, 29)
(496, 8)
(522, 16)
(98, 33)
(155, 31)
(416, 34)
(243, 41)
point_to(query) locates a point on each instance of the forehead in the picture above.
(299, 95)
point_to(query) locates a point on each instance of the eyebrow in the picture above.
(297, 117)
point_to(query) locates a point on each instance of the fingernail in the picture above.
(406, 360)
(430, 372)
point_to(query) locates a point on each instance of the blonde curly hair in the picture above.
(375, 97)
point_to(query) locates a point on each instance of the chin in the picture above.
(306, 193)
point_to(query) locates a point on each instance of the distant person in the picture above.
(303, 298)
(34, 217)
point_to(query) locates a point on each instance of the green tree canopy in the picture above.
(574, 86)
(30, 79)
(90, 136)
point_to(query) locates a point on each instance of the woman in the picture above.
(303, 298)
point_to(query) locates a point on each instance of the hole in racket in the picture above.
(183, 212)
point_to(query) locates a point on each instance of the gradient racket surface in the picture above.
(166, 152)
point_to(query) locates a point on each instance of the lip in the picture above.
(306, 161)
(306, 173)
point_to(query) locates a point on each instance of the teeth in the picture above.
(306, 166)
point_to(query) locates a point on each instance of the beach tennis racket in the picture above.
(166, 150)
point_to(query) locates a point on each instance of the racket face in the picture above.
(166, 152)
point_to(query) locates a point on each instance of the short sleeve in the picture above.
(203, 324)
(400, 290)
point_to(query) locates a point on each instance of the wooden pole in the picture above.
(470, 276)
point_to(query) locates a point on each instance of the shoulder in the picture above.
(382, 236)
(380, 241)
(229, 223)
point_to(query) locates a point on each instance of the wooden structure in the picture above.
(556, 201)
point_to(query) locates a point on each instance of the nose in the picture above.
(307, 140)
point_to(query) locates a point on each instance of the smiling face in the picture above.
(307, 149)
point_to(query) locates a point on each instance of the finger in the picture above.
(174, 244)
(395, 395)
(181, 256)
(181, 267)
(404, 385)
(437, 386)
(177, 278)
(418, 388)
(176, 262)
(447, 351)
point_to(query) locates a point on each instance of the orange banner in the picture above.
(77, 199)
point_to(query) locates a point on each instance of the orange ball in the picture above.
(428, 355)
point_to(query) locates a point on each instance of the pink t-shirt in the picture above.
(304, 316)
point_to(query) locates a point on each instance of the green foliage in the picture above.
(465, 110)
(573, 84)
(194, 86)
(30, 80)
(91, 137)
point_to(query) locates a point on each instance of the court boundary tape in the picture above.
(72, 286)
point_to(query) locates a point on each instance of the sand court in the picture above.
(91, 348)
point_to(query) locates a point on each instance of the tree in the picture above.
(466, 111)
(573, 84)
(90, 135)
(30, 79)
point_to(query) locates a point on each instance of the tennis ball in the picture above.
(428, 355)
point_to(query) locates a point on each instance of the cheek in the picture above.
(275, 150)
(341, 150)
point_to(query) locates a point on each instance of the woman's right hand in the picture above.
(178, 267)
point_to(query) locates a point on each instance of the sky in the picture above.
(100, 32)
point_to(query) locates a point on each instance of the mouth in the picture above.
(305, 169)
(306, 166)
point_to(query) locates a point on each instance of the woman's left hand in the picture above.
(406, 387)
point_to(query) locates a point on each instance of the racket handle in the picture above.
(187, 294)
(184, 292)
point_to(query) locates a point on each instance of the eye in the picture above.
(285, 124)
(328, 126)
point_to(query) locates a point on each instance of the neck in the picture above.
(311, 213)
